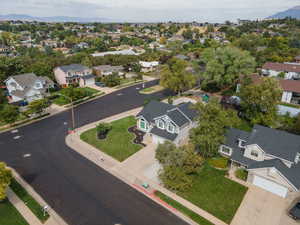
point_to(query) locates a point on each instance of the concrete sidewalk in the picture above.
(130, 171)
(54, 218)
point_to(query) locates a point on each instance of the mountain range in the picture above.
(293, 12)
(52, 18)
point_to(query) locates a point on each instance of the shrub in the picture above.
(241, 174)
(102, 130)
(220, 162)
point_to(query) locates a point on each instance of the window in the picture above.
(254, 153)
(161, 124)
(143, 124)
(225, 150)
(297, 158)
(242, 143)
(170, 128)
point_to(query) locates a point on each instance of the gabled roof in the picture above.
(282, 67)
(155, 109)
(180, 114)
(73, 68)
(25, 80)
(275, 142)
(291, 174)
(163, 133)
(177, 117)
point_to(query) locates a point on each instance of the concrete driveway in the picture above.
(261, 207)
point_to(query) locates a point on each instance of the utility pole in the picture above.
(73, 115)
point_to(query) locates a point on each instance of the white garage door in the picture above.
(157, 140)
(270, 186)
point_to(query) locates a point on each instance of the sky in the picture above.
(150, 10)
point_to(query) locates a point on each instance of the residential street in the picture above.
(79, 191)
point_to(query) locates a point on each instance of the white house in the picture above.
(163, 121)
(270, 156)
(74, 74)
(148, 66)
(291, 70)
(27, 87)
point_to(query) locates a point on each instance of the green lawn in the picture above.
(118, 143)
(61, 100)
(194, 216)
(32, 204)
(215, 193)
(9, 215)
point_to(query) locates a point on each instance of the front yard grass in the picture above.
(194, 216)
(31, 203)
(151, 90)
(9, 215)
(61, 100)
(118, 143)
(215, 193)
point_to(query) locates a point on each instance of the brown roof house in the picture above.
(291, 71)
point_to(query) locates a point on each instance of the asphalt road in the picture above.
(79, 191)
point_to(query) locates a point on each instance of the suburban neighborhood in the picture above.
(165, 123)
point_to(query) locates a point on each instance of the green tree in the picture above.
(296, 126)
(112, 80)
(174, 178)
(259, 101)
(38, 106)
(5, 179)
(213, 121)
(9, 114)
(174, 75)
(224, 66)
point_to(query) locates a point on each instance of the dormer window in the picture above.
(225, 150)
(297, 158)
(254, 153)
(241, 143)
(171, 128)
(161, 124)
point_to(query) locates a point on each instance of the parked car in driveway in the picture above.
(99, 84)
(295, 211)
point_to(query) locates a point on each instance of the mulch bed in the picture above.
(139, 135)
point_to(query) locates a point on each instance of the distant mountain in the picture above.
(293, 12)
(52, 19)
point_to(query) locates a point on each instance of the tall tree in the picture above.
(9, 114)
(259, 101)
(224, 65)
(5, 179)
(174, 75)
(213, 121)
(38, 106)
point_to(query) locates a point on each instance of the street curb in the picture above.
(58, 219)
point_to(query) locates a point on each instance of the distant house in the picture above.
(297, 59)
(105, 70)
(291, 70)
(74, 74)
(27, 87)
(290, 88)
(165, 122)
(4, 50)
(122, 52)
(148, 66)
(82, 45)
(270, 156)
(182, 57)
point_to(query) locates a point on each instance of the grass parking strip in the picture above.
(31, 203)
(194, 216)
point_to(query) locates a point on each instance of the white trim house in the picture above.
(27, 87)
(270, 156)
(163, 121)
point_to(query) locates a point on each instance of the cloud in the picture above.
(150, 10)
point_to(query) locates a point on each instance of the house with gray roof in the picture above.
(27, 87)
(105, 70)
(74, 74)
(166, 122)
(270, 156)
